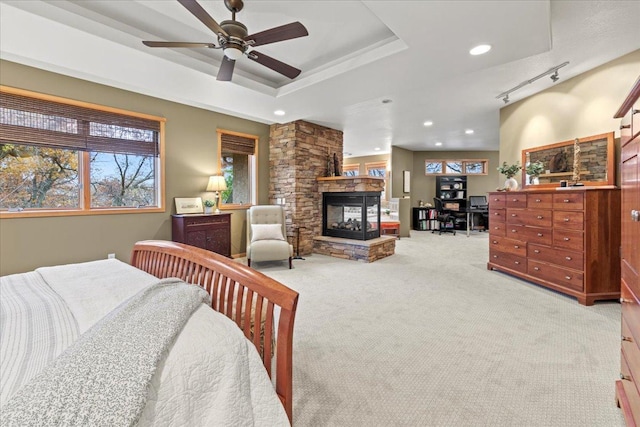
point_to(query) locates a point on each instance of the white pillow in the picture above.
(266, 232)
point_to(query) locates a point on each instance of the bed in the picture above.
(106, 315)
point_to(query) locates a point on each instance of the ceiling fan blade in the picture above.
(177, 44)
(198, 11)
(226, 69)
(277, 34)
(274, 64)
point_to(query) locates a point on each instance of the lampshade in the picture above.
(216, 183)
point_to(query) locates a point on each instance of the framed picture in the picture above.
(406, 181)
(189, 205)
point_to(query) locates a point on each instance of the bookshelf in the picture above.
(424, 219)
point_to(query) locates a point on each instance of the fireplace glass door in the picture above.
(354, 215)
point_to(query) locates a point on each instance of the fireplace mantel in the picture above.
(332, 184)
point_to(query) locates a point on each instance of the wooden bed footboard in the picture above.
(246, 296)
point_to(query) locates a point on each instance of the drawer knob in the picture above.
(567, 277)
(568, 258)
(517, 262)
(495, 256)
(495, 242)
(514, 215)
(540, 216)
(514, 231)
(496, 213)
(515, 200)
(536, 251)
(625, 377)
(628, 339)
(538, 200)
(536, 268)
(566, 239)
(539, 234)
(566, 220)
(566, 200)
(516, 246)
(496, 228)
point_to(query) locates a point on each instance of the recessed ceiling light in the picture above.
(438, 144)
(428, 123)
(376, 149)
(279, 112)
(480, 49)
(468, 131)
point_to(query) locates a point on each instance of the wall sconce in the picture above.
(216, 184)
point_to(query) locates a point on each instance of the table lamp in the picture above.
(217, 184)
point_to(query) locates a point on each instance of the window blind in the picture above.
(34, 121)
(233, 144)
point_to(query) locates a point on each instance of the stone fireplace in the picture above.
(351, 215)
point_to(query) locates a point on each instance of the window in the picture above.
(238, 153)
(377, 169)
(64, 157)
(351, 170)
(456, 167)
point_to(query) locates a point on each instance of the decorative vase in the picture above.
(208, 209)
(511, 184)
(535, 180)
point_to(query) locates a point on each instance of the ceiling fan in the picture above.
(234, 41)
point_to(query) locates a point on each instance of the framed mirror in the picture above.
(595, 157)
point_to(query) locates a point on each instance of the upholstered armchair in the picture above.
(266, 235)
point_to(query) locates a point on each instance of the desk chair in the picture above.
(446, 219)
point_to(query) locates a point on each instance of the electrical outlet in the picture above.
(111, 256)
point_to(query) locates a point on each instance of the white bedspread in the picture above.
(212, 374)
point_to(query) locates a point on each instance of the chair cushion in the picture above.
(266, 232)
(269, 250)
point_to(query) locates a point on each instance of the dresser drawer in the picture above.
(560, 257)
(511, 246)
(496, 215)
(533, 217)
(629, 306)
(507, 260)
(538, 235)
(206, 220)
(497, 201)
(497, 228)
(568, 239)
(572, 220)
(541, 201)
(630, 349)
(568, 200)
(516, 200)
(631, 392)
(564, 277)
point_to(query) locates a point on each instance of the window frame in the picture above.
(463, 162)
(84, 205)
(253, 169)
(353, 167)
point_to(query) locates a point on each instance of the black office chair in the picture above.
(446, 219)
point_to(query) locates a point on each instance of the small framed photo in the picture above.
(189, 205)
(406, 181)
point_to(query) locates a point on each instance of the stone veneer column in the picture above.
(298, 153)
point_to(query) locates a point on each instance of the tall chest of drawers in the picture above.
(566, 240)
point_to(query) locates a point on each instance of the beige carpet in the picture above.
(430, 337)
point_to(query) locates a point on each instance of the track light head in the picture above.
(506, 99)
(555, 77)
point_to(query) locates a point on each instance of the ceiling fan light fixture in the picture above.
(233, 53)
(480, 49)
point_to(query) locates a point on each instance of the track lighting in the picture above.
(554, 76)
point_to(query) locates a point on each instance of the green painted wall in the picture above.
(191, 156)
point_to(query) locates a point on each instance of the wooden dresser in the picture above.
(567, 240)
(211, 232)
(628, 387)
